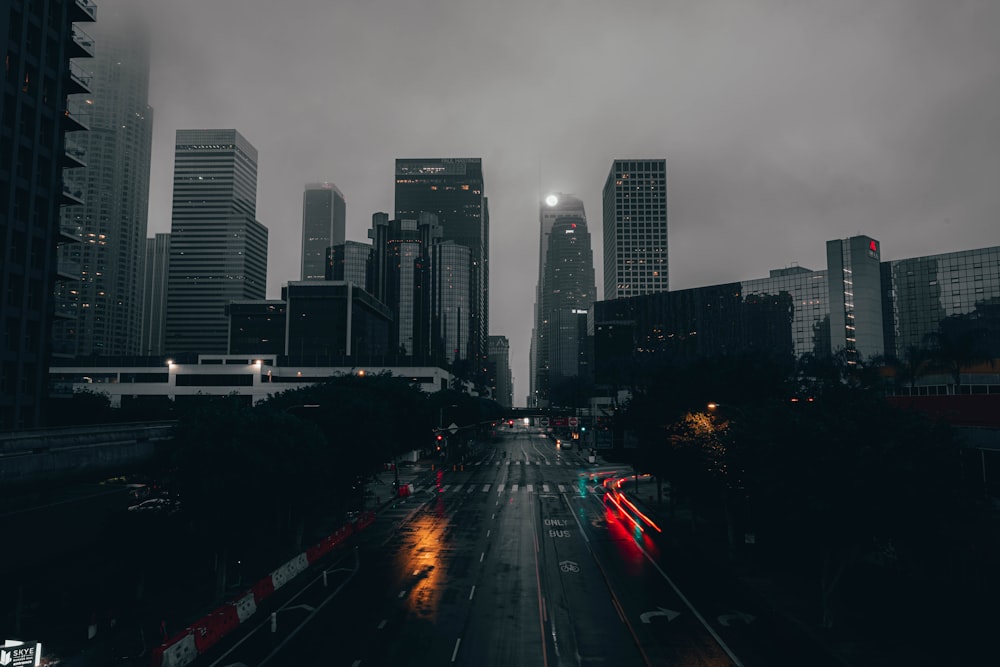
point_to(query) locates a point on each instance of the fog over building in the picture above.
(218, 250)
(104, 304)
(566, 289)
(324, 220)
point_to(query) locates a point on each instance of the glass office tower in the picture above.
(920, 293)
(218, 250)
(566, 289)
(452, 189)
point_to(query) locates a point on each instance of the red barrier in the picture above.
(213, 627)
(177, 649)
(365, 520)
(262, 589)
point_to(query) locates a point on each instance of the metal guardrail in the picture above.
(45, 439)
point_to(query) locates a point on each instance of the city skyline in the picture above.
(782, 126)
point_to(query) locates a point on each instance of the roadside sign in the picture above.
(543, 421)
(453, 429)
(574, 421)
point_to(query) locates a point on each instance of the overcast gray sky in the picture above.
(784, 123)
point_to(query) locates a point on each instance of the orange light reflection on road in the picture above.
(424, 596)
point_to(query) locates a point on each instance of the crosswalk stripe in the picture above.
(458, 487)
(486, 487)
(562, 489)
(472, 487)
(445, 488)
(531, 488)
(500, 488)
(545, 488)
(513, 488)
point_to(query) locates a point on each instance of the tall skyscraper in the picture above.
(154, 290)
(635, 229)
(452, 189)
(566, 290)
(38, 40)
(324, 223)
(450, 300)
(218, 250)
(854, 276)
(503, 380)
(104, 303)
(401, 278)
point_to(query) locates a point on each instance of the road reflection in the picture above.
(420, 566)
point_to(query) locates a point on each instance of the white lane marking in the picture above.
(488, 533)
(472, 487)
(402, 593)
(445, 488)
(383, 623)
(356, 663)
(455, 652)
(482, 556)
(545, 488)
(486, 487)
(494, 515)
(472, 592)
(458, 487)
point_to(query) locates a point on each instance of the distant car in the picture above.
(155, 505)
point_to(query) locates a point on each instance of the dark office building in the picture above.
(38, 41)
(324, 221)
(452, 189)
(639, 334)
(257, 327)
(501, 380)
(332, 322)
(566, 290)
(154, 290)
(401, 279)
